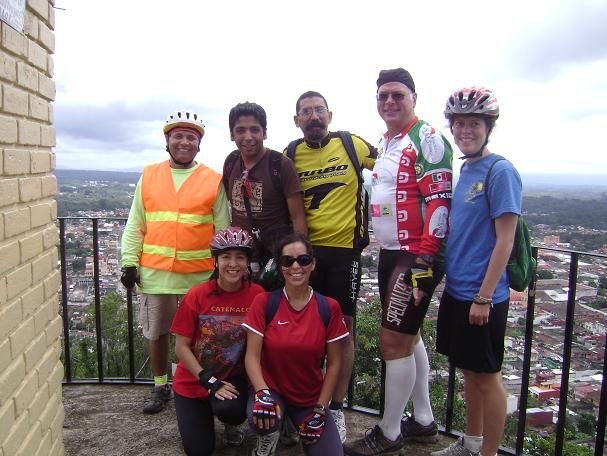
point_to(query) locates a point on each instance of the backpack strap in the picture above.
(487, 177)
(291, 148)
(275, 162)
(346, 139)
(272, 305)
(274, 300)
(228, 165)
(323, 309)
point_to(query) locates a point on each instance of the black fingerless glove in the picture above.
(129, 277)
(209, 382)
(422, 278)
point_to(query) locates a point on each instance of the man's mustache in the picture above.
(316, 124)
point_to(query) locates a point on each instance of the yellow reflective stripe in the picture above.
(170, 216)
(162, 216)
(159, 250)
(195, 219)
(169, 252)
(193, 254)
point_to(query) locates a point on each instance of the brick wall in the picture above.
(31, 410)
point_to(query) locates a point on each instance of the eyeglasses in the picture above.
(307, 112)
(396, 96)
(286, 261)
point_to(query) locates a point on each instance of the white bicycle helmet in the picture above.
(184, 118)
(232, 238)
(472, 100)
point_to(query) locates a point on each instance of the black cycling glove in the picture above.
(420, 276)
(129, 277)
(209, 382)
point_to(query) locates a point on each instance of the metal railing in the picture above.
(574, 257)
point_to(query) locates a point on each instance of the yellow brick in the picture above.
(30, 189)
(37, 55)
(54, 380)
(47, 312)
(46, 37)
(16, 222)
(29, 133)
(2, 292)
(25, 393)
(58, 448)
(49, 412)
(1, 162)
(9, 192)
(27, 76)
(57, 424)
(40, 214)
(48, 137)
(44, 449)
(46, 87)
(8, 130)
(34, 353)
(42, 267)
(51, 15)
(51, 287)
(13, 41)
(51, 118)
(49, 185)
(5, 353)
(38, 108)
(32, 300)
(53, 331)
(17, 435)
(9, 256)
(18, 280)
(53, 207)
(46, 366)
(40, 7)
(33, 439)
(16, 161)
(8, 68)
(10, 379)
(30, 25)
(50, 71)
(22, 337)
(7, 419)
(14, 100)
(1, 227)
(30, 247)
(40, 162)
(10, 317)
(39, 403)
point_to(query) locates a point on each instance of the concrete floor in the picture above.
(106, 420)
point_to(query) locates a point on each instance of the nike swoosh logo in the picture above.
(282, 322)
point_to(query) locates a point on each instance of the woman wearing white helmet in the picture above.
(210, 379)
(472, 316)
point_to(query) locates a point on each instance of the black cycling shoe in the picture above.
(155, 402)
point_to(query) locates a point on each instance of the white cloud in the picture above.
(122, 68)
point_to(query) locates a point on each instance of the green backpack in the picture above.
(521, 265)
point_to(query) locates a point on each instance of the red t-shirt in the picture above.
(294, 345)
(212, 318)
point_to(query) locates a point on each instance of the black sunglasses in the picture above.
(286, 261)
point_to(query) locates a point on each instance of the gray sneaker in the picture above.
(233, 435)
(266, 444)
(412, 431)
(374, 443)
(455, 449)
(156, 401)
(340, 423)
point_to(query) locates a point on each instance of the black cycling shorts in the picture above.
(399, 313)
(337, 275)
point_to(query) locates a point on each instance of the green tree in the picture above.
(544, 274)
(586, 424)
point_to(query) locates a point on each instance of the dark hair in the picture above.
(248, 109)
(292, 238)
(309, 94)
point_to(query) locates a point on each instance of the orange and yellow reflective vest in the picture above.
(179, 224)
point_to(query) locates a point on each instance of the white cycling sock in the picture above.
(400, 378)
(473, 442)
(421, 393)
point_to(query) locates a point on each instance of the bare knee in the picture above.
(395, 345)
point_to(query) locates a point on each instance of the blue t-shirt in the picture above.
(472, 233)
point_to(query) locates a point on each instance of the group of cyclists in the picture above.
(262, 306)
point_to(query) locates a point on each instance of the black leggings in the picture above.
(195, 418)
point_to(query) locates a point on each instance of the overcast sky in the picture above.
(122, 66)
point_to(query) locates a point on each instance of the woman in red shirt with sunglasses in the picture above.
(285, 349)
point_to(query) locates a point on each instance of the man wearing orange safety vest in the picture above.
(177, 207)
